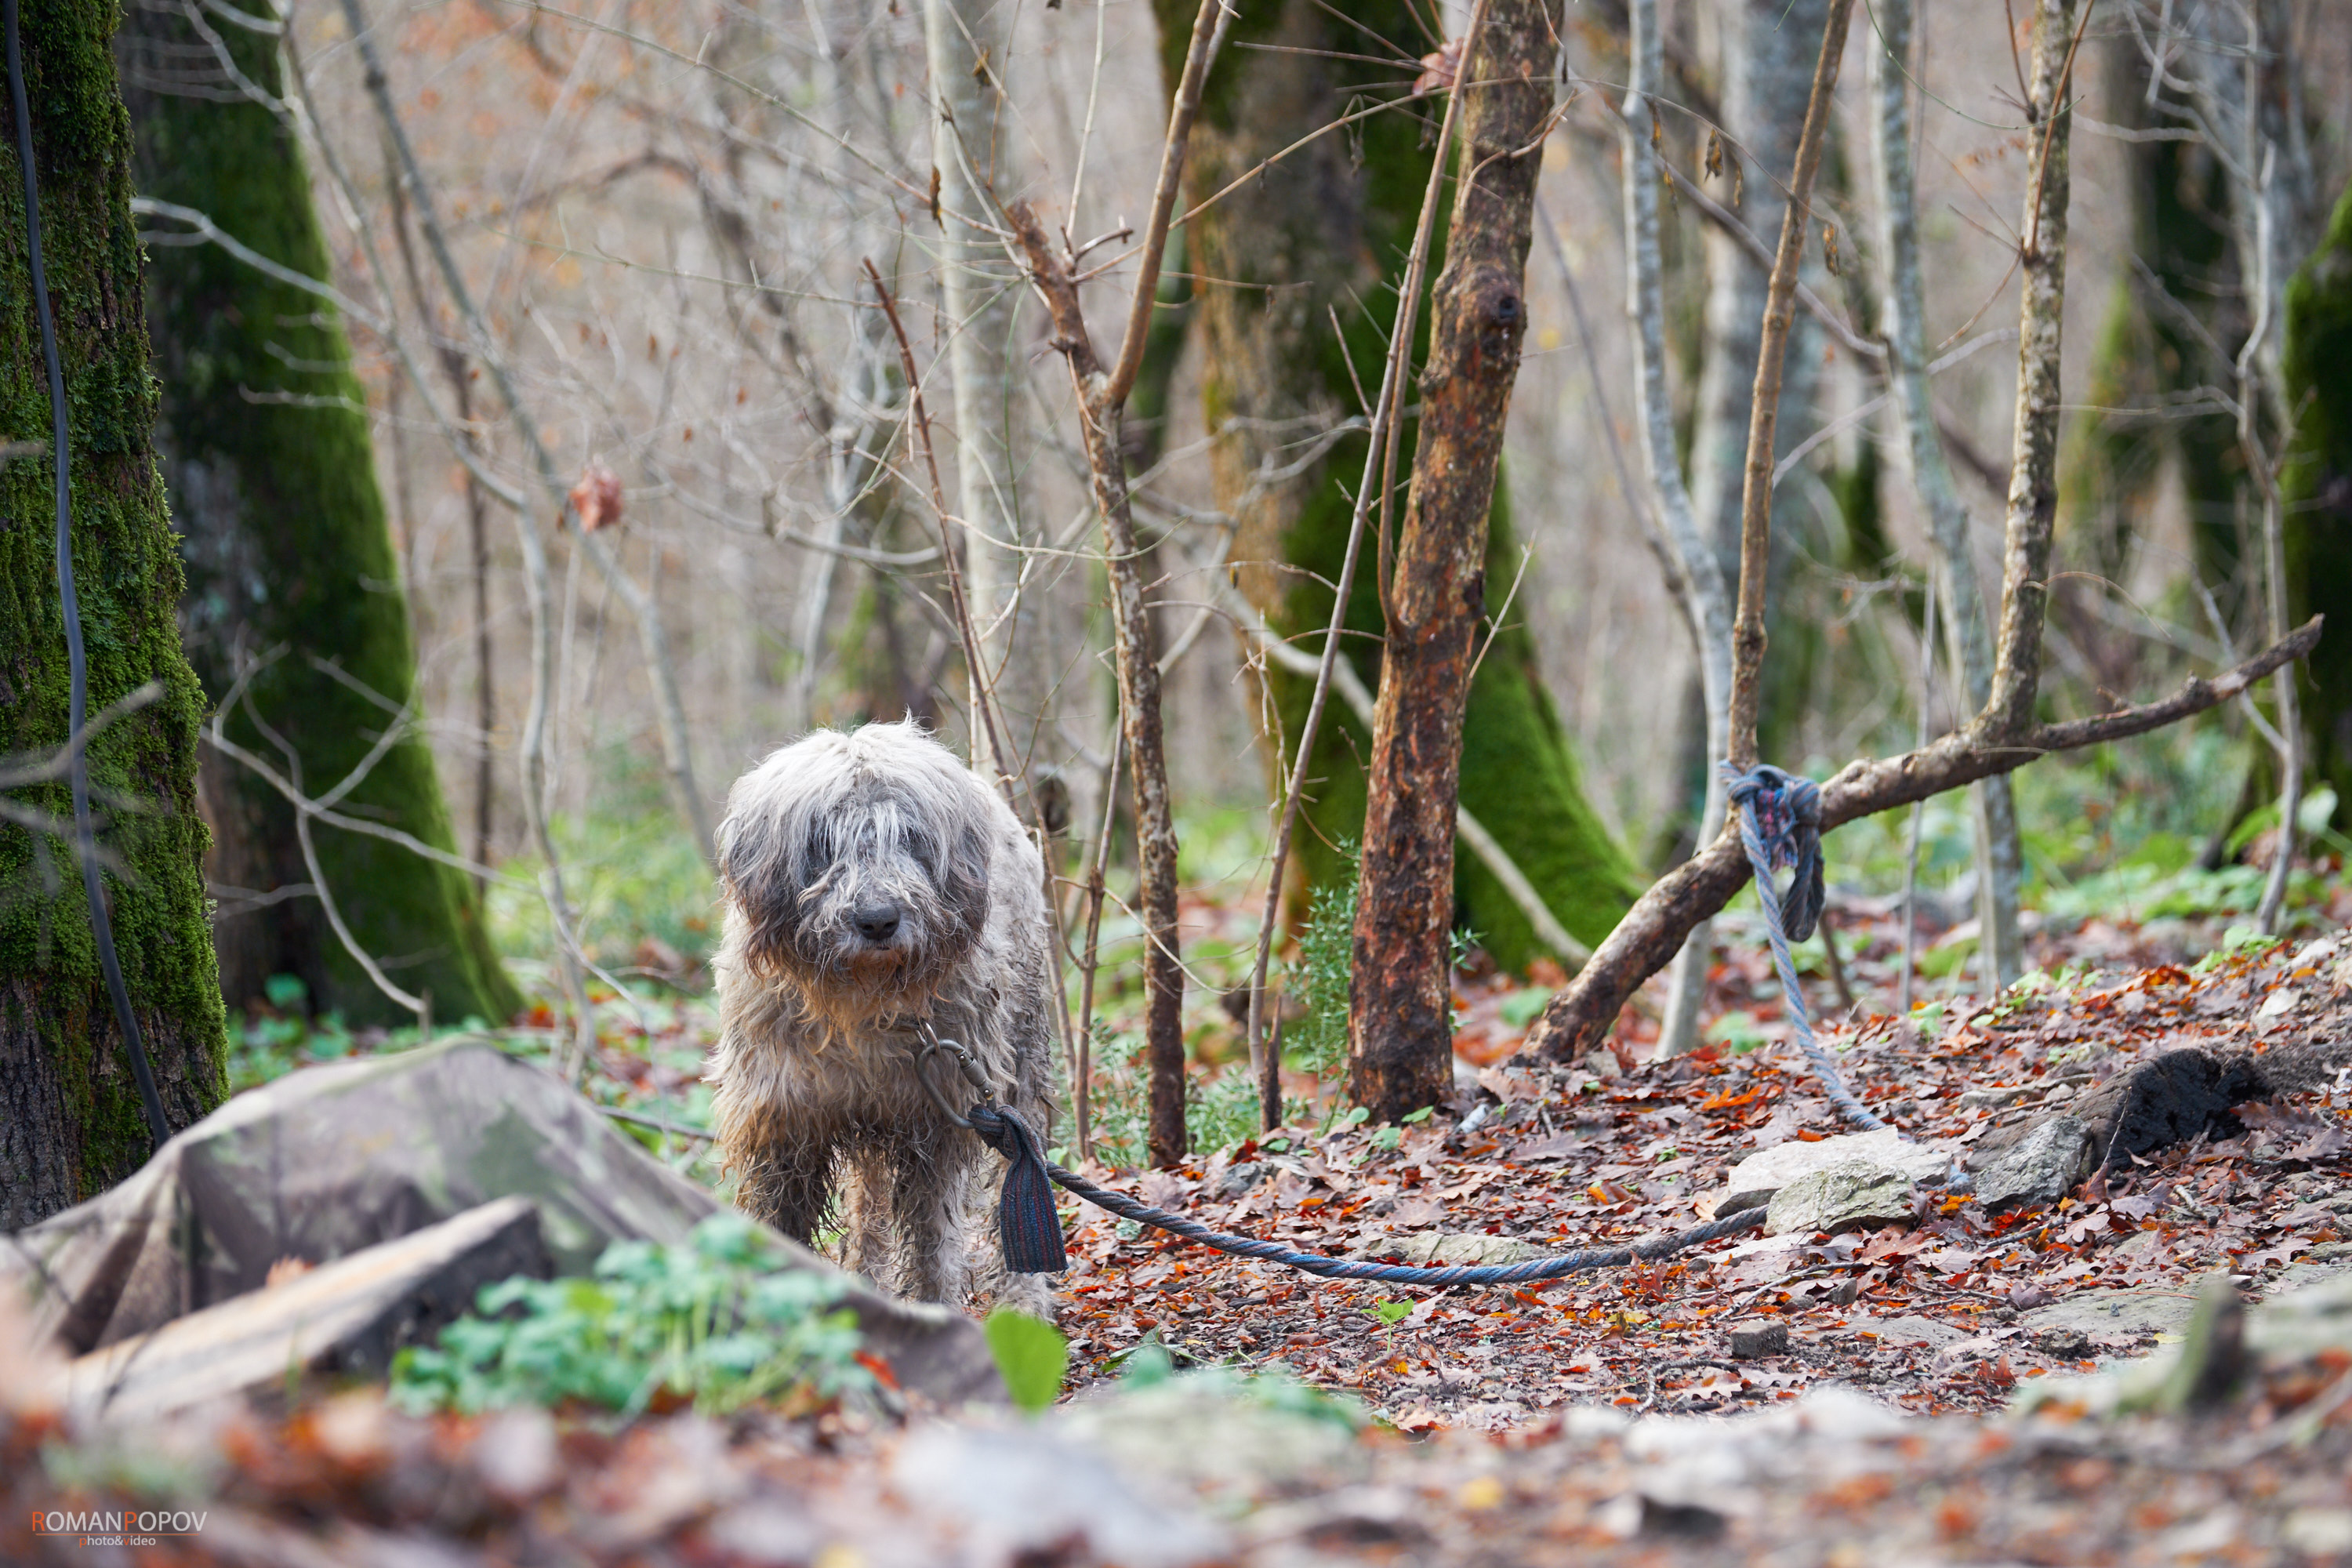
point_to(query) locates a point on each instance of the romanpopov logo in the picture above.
(117, 1527)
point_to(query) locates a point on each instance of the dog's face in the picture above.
(857, 865)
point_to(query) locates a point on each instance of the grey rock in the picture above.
(1757, 1340)
(1767, 1171)
(2113, 1313)
(1855, 1195)
(1450, 1249)
(2039, 1168)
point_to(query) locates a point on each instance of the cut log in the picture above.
(344, 1319)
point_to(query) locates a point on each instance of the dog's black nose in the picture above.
(876, 922)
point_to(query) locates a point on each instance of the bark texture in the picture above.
(1705, 591)
(1400, 1025)
(1327, 229)
(2317, 488)
(70, 1121)
(292, 577)
(2041, 315)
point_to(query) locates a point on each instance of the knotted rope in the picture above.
(1781, 827)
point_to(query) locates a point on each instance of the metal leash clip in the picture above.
(933, 1046)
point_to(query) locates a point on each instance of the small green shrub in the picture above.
(1220, 1107)
(1318, 978)
(716, 1321)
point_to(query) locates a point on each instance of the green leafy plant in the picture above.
(717, 1321)
(1737, 1032)
(1524, 1006)
(1271, 1387)
(1317, 979)
(1031, 1354)
(1220, 1107)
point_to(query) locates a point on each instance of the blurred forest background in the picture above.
(541, 460)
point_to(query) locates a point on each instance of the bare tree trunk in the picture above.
(1102, 396)
(1764, 410)
(2033, 465)
(2000, 862)
(1400, 1013)
(1138, 660)
(1295, 226)
(486, 686)
(1707, 602)
(964, 41)
(1767, 53)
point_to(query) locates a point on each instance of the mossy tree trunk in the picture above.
(292, 578)
(2318, 490)
(1327, 229)
(70, 1121)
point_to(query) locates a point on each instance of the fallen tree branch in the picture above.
(1586, 1009)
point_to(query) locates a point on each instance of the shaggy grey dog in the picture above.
(875, 890)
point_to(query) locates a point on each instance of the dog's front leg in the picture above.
(787, 1183)
(931, 1200)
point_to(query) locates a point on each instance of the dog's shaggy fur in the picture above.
(873, 886)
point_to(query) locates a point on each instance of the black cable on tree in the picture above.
(77, 698)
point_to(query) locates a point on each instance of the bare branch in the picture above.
(1208, 31)
(1584, 1012)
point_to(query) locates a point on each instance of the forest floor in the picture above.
(1949, 1314)
(1219, 1410)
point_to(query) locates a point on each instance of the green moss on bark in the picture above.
(70, 1120)
(1327, 230)
(2318, 489)
(265, 445)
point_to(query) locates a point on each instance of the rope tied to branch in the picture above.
(1780, 826)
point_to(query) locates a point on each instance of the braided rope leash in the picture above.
(1003, 1130)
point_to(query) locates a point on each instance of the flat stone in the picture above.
(2039, 1168)
(1772, 1169)
(1757, 1340)
(1452, 1250)
(2117, 1313)
(1909, 1329)
(1858, 1195)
